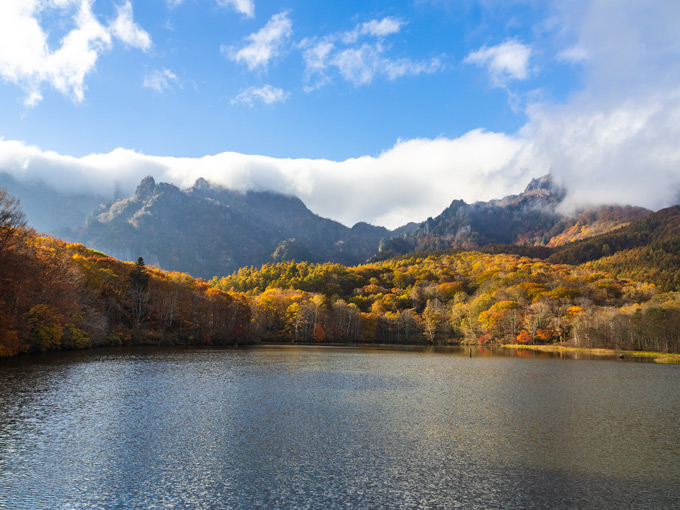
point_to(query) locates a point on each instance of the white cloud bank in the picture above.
(27, 60)
(411, 181)
(623, 154)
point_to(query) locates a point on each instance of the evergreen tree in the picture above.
(137, 292)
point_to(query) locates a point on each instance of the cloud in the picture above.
(27, 60)
(245, 7)
(263, 45)
(266, 94)
(616, 139)
(125, 29)
(504, 62)
(160, 81)
(359, 66)
(412, 180)
(632, 48)
(340, 54)
(374, 28)
(625, 153)
(394, 69)
(574, 55)
(317, 58)
(381, 28)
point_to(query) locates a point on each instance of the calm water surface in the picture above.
(326, 428)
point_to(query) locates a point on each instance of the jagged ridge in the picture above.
(208, 230)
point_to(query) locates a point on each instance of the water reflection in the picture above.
(306, 427)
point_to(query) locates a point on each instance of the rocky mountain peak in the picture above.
(146, 187)
(545, 183)
(201, 184)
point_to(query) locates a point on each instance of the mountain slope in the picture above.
(209, 230)
(55, 295)
(646, 250)
(531, 218)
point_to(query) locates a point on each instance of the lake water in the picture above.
(326, 428)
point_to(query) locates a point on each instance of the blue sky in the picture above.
(310, 98)
(179, 95)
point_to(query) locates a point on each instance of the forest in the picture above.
(57, 295)
(457, 297)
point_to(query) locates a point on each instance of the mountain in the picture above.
(56, 295)
(208, 230)
(531, 218)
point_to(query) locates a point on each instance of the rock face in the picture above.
(209, 230)
(530, 219)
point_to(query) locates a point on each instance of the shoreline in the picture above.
(657, 357)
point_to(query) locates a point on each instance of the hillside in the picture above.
(55, 295)
(647, 250)
(208, 230)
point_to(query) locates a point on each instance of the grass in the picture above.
(658, 357)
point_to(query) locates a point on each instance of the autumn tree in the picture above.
(12, 220)
(137, 294)
(434, 319)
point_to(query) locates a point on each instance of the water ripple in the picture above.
(335, 428)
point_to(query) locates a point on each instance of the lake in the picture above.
(332, 427)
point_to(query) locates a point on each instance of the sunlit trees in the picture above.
(439, 299)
